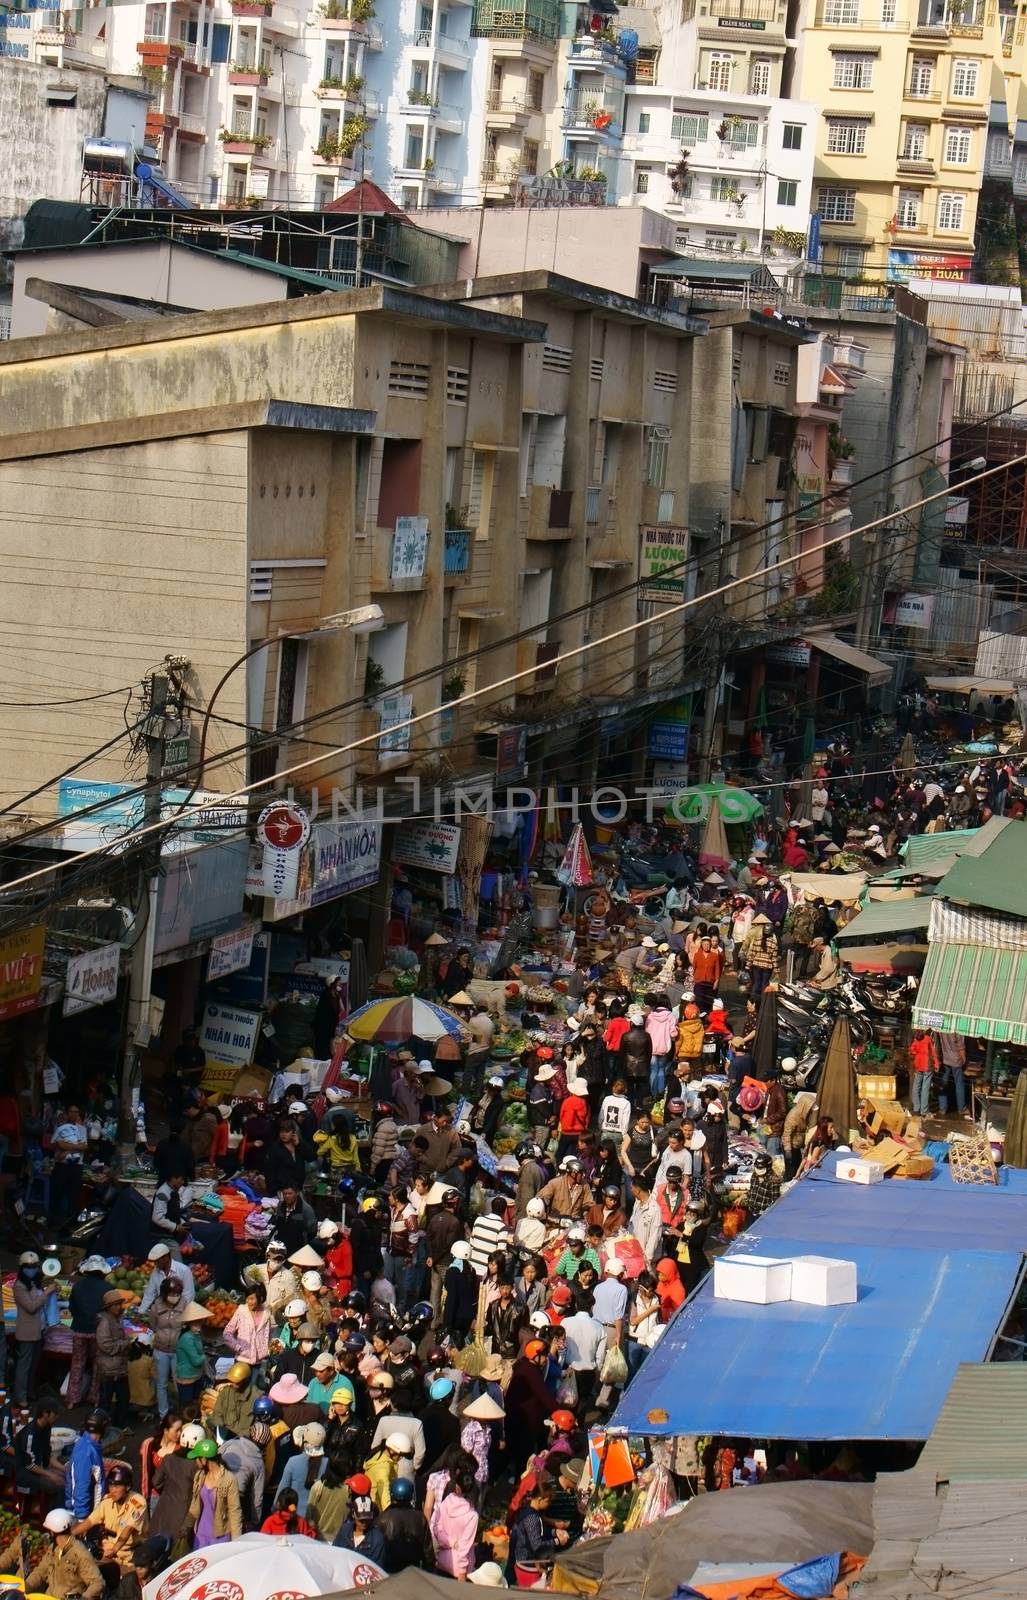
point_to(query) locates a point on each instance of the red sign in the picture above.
(218, 1589)
(283, 827)
(21, 971)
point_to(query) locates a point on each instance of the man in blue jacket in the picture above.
(85, 1478)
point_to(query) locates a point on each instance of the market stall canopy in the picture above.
(982, 1430)
(937, 1265)
(695, 803)
(961, 1541)
(402, 1017)
(883, 957)
(829, 886)
(975, 990)
(971, 685)
(993, 875)
(882, 918)
(829, 644)
(784, 1523)
(923, 849)
(252, 1568)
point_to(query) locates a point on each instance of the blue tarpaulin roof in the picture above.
(937, 1266)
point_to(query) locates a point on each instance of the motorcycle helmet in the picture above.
(275, 1247)
(536, 1207)
(789, 1064)
(441, 1389)
(398, 1444)
(328, 1229)
(312, 1281)
(192, 1433)
(59, 1521)
(263, 1409)
(295, 1308)
(371, 1202)
(355, 1301)
(539, 1320)
(240, 1371)
(420, 1312)
(527, 1150)
(564, 1420)
(348, 1187)
(120, 1475)
(381, 1380)
(97, 1422)
(206, 1450)
(355, 1343)
(611, 1190)
(401, 1492)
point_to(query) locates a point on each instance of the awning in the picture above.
(844, 886)
(923, 849)
(974, 990)
(972, 685)
(829, 644)
(884, 957)
(883, 917)
(937, 1264)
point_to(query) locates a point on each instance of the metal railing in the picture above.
(538, 20)
(748, 10)
(190, 123)
(457, 554)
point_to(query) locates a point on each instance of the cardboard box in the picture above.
(758, 1280)
(916, 1166)
(823, 1281)
(857, 1169)
(880, 1086)
(889, 1154)
(885, 1116)
(254, 1081)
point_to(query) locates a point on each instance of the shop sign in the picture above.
(21, 971)
(790, 653)
(661, 566)
(228, 1034)
(742, 24)
(668, 741)
(409, 547)
(176, 755)
(248, 987)
(230, 952)
(906, 264)
(434, 845)
(393, 711)
(118, 803)
(511, 750)
(669, 777)
(200, 818)
(347, 857)
(201, 893)
(92, 979)
(914, 611)
(283, 829)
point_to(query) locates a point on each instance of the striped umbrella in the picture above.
(401, 1017)
(694, 804)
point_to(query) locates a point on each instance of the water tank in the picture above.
(627, 39)
(107, 156)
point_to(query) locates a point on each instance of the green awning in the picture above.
(922, 849)
(974, 990)
(881, 918)
(995, 877)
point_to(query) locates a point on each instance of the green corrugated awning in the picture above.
(974, 990)
(981, 1431)
(994, 877)
(880, 918)
(923, 848)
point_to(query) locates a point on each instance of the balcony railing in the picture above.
(747, 10)
(538, 20)
(188, 123)
(457, 555)
(511, 105)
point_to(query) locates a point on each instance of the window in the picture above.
(759, 75)
(722, 243)
(324, 192)
(907, 212)
(999, 150)
(720, 71)
(659, 456)
(950, 213)
(852, 258)
(641, 180)
(1020, 170)
(480, 493)
(745, 134)
(290, 700)
(724, 188)
(536, 90)
(914, 142)
(842, 13)
(787, 192)
(846, 136)
(837, 205)
(782, 372)
(529, 157)
(853, 69)
(643, 121)
(690, 129)
(888, 12)
(410, 379)
(792, 136)
(958, 144)
(921, 78)
(964, 80)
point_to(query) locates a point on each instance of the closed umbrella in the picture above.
(764, 1046)
(357, 973)
(837, 1089)
(906, 758)
(714, 851)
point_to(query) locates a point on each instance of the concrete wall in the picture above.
(161, 271)
(41, 144)
(112, 559)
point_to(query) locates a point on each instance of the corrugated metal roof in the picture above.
(981, 1431)
(973, 990)
(996, 878)
(883, 917)
(872, 667)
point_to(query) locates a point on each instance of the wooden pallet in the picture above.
(971, 1160)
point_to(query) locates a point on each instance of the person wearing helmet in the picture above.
(764, 1186)
(384, 1140)
(528, 1401)
(122, 1517)
(366, 1242)
(281, 1281)
(31, 1294)
(443, 1228)
(172, 1485)
(577, 1251)
(459, 1291)
(338, 1259)
(85, 1304)
(66, 1567)
(532, 1230)
(246, 1460)
(233, 1408)
(439, 1421)
(608, 1213)
(85, 1476)
(567, 1195)
(404, 1528)
(215, 1511)
(391, 1456)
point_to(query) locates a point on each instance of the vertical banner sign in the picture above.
(283, 829)
(661, 564)
(21, 971)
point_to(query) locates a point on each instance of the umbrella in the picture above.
(809, 739)
(401, 1017)
(575, 870)
(764, 1046)
(714, 851)
(259, 1566)
(693, 804)
(837, 1090)
(906, 758)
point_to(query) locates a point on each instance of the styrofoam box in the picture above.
(759, 1280)
(823, 1281)
(853, 1169)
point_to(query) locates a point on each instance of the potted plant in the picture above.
(678, 174)
(374, 680)
(453, 688)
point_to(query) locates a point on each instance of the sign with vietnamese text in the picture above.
(283, 829)
(230, 952)
(434, 845)
(21, 971)
(668, 740)
(347, 857)
(790, 653)
(92, 979)
(228, 1034)
(662, 564)
(914, 611)
(906, 264)
(393, 711)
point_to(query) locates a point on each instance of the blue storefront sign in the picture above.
(668, 741)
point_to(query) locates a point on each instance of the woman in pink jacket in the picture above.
(248, 1333)
(454, 1525)
(661, 1026)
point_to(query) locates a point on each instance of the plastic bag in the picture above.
(615, 1367)
(567, 1393)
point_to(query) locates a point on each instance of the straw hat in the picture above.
(484, 1409)
(762, 919)
(435, 939)
(493, 1371)
(461, 998)
(436, 1087)
(306, 1257)
(195, 1313)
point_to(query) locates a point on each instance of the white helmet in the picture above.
(295, 1308)
(539, 1319)
(536, 1207)
(788, 1064)
(312, 1280)
(275, 1247)
(327, 1229)
(191, 1435)
(59, 1521)
(399, 1443)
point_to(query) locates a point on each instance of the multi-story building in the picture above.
(905, 88)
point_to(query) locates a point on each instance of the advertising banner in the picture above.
(92, 979)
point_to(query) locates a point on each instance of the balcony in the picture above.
(840, 474)
(537, 22)
(329, 153)
(340, 89)
(457, 555)
(252, 8)
(241, 142)
(511, 111)
(922, 97)
(915, 166)
(591, 52)
(349, 18)
(246, 76)
(448, 52)
(448, 119)
(190, 126)
(156, 51)
(60, 36)
(591, 116)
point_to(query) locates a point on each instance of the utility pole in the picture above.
(141, 975)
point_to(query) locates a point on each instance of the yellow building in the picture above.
(904, 88)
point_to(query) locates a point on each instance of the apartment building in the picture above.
(905, 88)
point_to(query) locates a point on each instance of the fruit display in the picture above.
(131, 1280)
(33, 1543)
